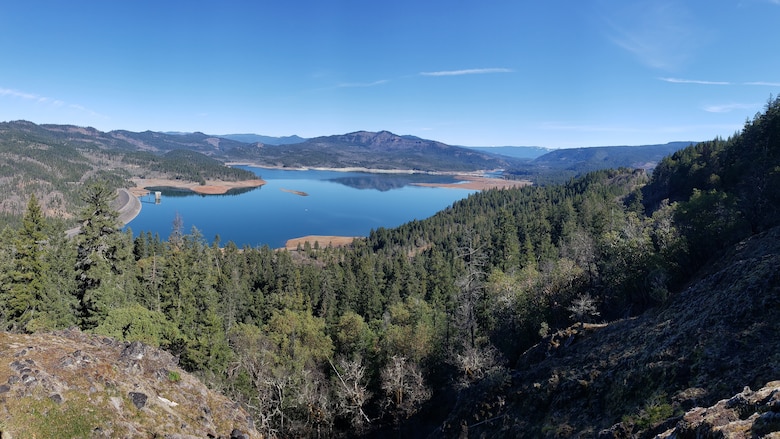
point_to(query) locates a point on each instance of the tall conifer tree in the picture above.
(27, 290)
(101, 256)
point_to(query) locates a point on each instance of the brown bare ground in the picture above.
(479, 183)
(212, 187)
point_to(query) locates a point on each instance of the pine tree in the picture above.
(28, 278)
(102, 253)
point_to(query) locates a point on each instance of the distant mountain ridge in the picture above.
(267, 140)
(372, 150)
(518, 152)
(560, 164)
(367, 150)
(596, 157)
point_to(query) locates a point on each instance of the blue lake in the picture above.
(338, 203)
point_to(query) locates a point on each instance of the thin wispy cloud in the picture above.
(466, 72)
(21, 95)
(362, 84)
(764, 83)
(8, 92)
(701, 82)
(726, 108)
(694, 81)
(659, 34)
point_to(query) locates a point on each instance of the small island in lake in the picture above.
(301, 193)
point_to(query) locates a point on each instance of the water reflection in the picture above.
(385, 182)
(168, 191)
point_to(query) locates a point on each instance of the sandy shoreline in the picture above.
(478, 183)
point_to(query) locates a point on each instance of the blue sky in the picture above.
(477, 73)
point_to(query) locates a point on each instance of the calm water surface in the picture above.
(338, 203)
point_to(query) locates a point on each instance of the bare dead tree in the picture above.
(477, 363)
(404, 387)
(351, 392)
(583, 308)
(471, 286)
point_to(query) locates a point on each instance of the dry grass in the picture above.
(212, 187)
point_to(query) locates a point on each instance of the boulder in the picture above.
(745, 415)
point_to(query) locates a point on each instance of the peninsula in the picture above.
(479, 183)
(212, 187)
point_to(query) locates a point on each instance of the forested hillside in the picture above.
(561, 164)
(433, 327)
(53, 162)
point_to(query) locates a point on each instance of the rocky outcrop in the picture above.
(72, 384)
(748, 414)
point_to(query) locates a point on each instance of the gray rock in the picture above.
(135, 351)
(139, 399)
(746, 414)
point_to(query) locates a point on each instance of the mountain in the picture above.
(603, 157)
(161, 142)
(122, 140)
(362, 149)
(370, 150)
(557, 166)
(266, 140)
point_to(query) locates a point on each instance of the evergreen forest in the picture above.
(383, 335)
